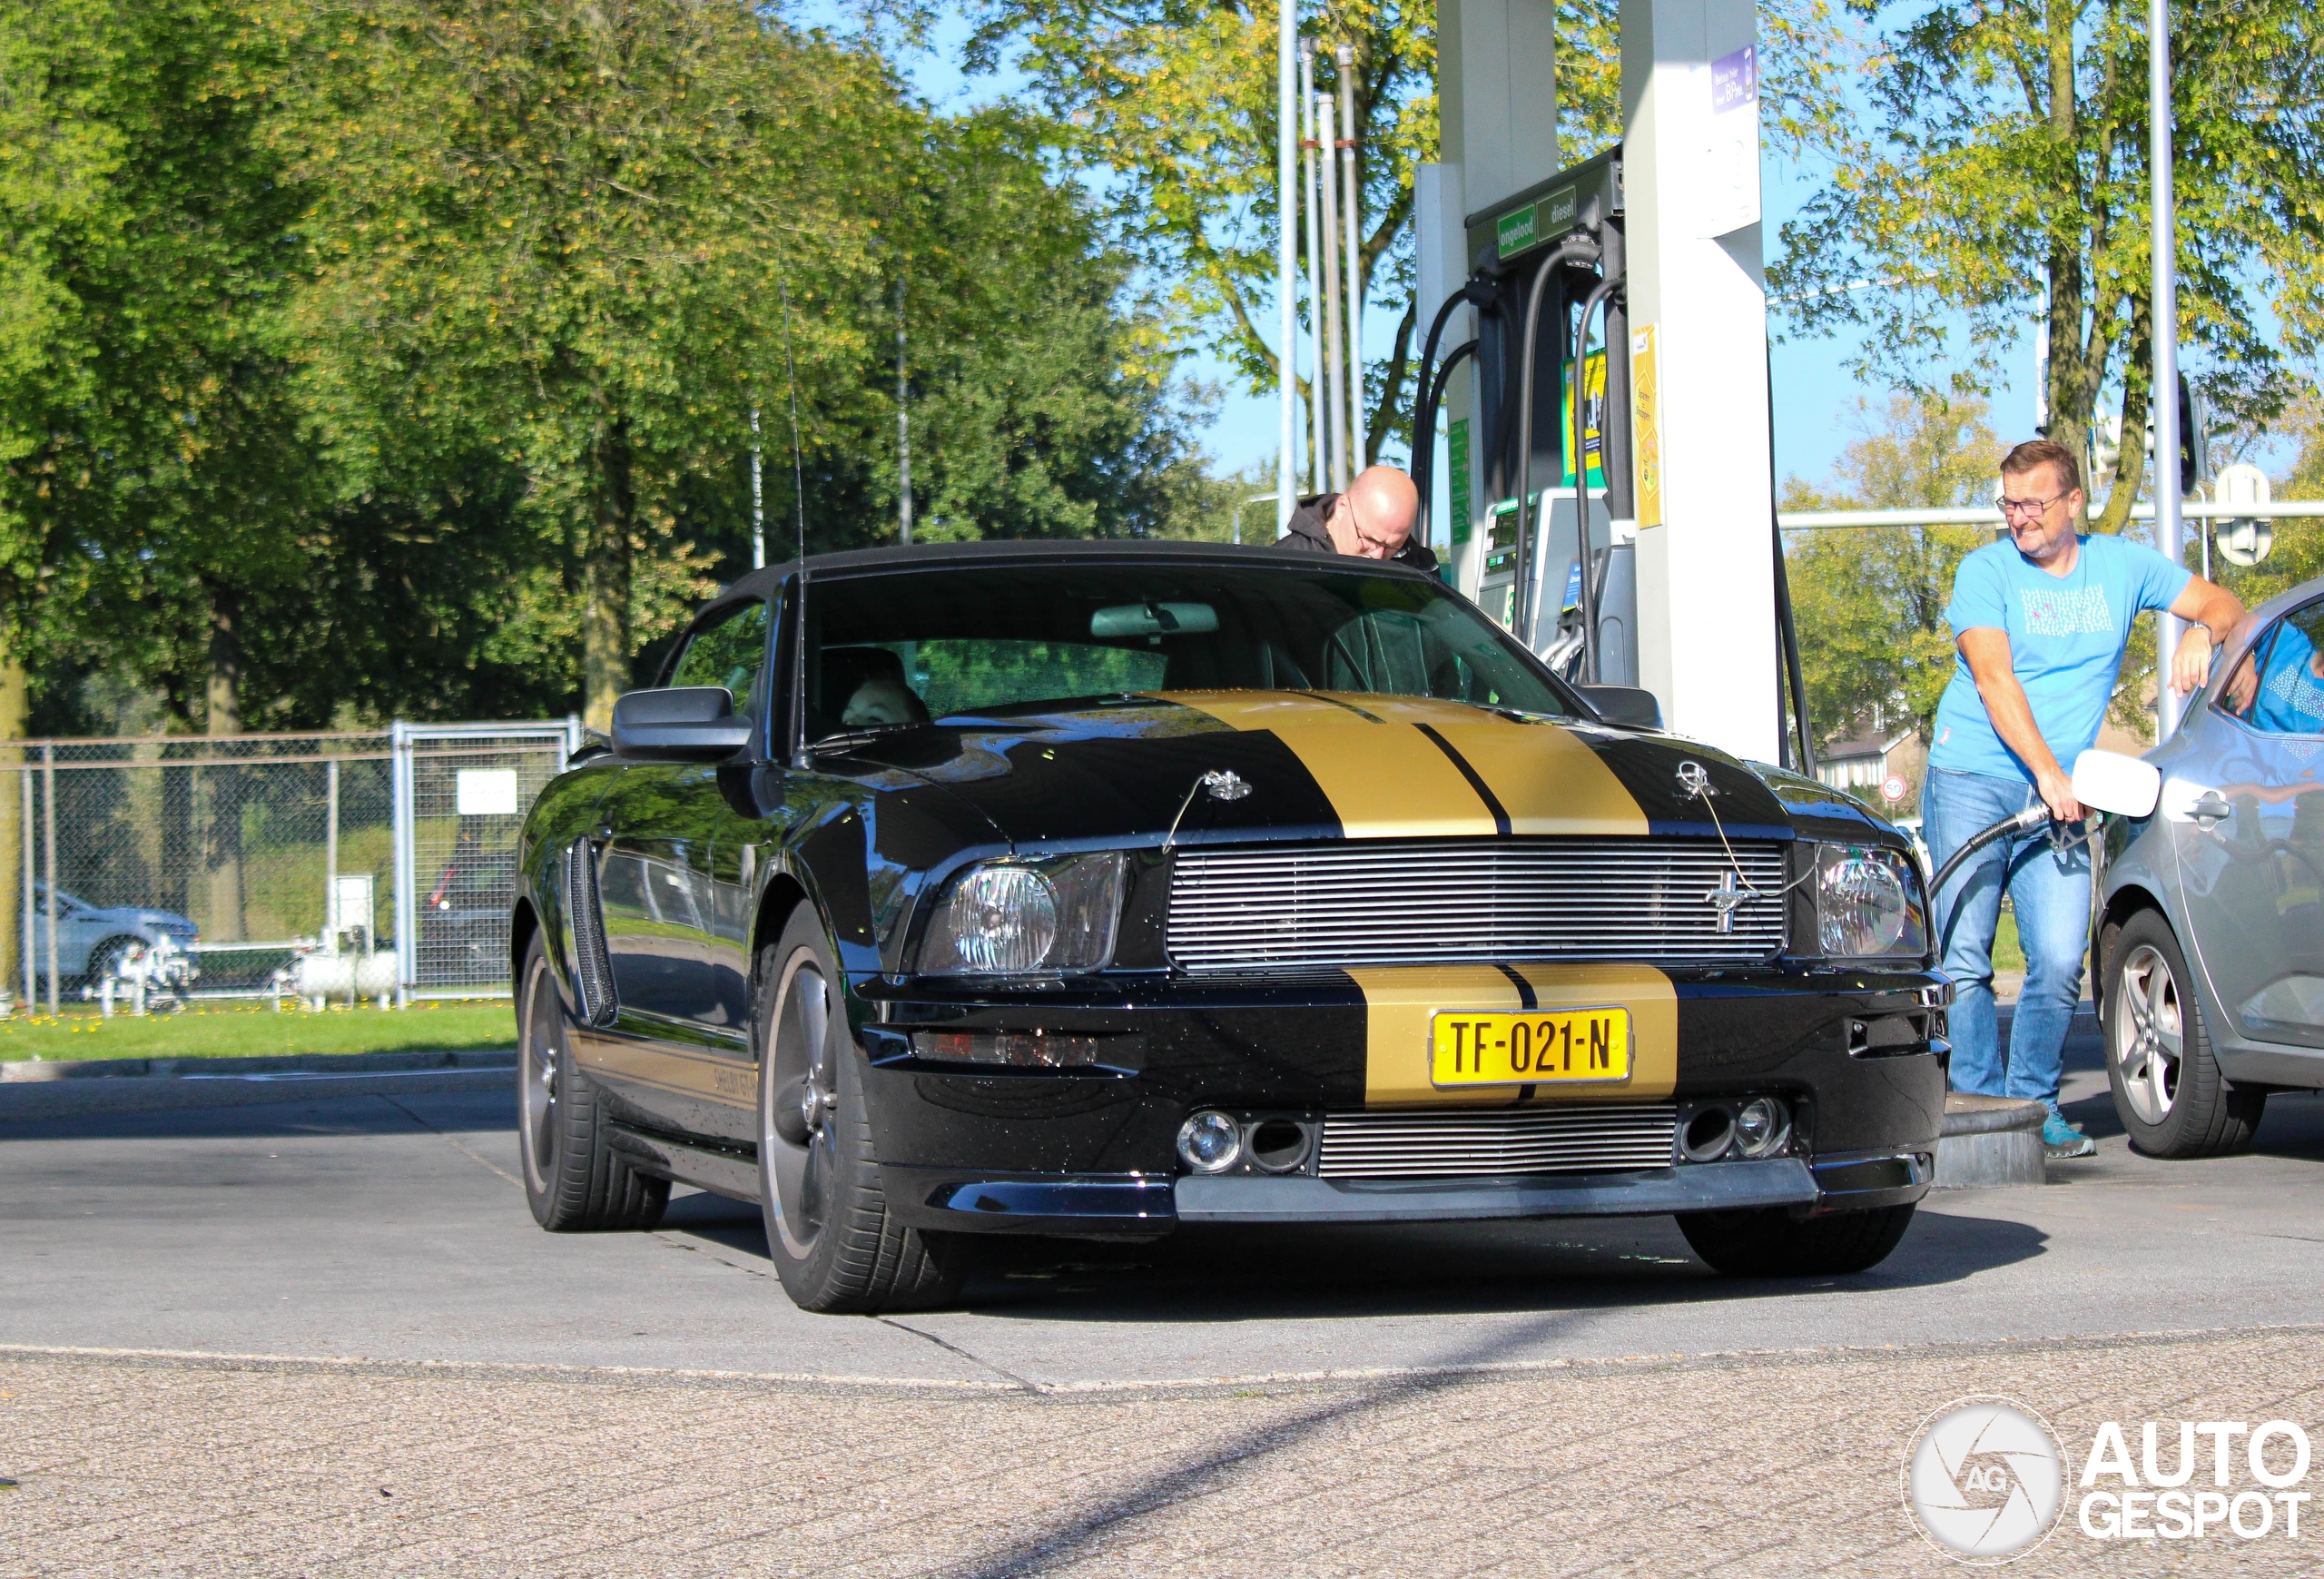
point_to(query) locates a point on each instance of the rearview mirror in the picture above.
(1155, 619)
(2107, 781)
(1624, 704)
(679, 724)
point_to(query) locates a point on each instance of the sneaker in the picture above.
(2061, 1142)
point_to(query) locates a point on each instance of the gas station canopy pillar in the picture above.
(1699, 343)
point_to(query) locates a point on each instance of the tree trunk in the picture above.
(2129, 470)
(13, 878)
(220, 817)
(605, 577)
(2074, 391)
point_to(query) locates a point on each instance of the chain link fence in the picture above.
(312, 865)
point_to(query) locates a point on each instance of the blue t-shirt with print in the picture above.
(2066, 635)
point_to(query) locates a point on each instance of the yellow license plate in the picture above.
(1514, 1048)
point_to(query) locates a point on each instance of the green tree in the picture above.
(2005, 176)
(1177, 102)
(1870, 601)
(567, 231)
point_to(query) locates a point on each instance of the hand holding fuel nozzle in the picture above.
(2103, 781)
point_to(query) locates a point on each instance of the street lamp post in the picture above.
(2164, 389)
(1286, 262)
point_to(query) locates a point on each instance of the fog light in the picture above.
(1708, 1135)
(1209, 1142)
(1762, 1127)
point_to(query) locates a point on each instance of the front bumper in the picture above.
(1135, 1207)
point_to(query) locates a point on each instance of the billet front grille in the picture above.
(1488, 902)
(1497, 1141)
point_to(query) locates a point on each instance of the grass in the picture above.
(2007, 955)
(256, 1030)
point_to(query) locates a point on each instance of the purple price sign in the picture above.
(1735, 79)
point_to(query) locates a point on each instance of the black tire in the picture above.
(834, 1243)
(1769, 1242)
(2168, 1089)
(574, 1180)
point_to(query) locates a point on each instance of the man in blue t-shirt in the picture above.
(2041, 620)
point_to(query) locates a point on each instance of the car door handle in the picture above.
(2210, 808)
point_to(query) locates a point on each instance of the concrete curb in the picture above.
(169, 1085)
(1989, 1142)
(45, 1069)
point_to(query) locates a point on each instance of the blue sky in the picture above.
(1816, 410)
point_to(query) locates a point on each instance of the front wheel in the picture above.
(574, 1181)
(2169, 1092)
(1769, 1242)
(834, 1243)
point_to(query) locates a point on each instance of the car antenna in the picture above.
(799, 511)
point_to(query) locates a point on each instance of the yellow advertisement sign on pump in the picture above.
(1645, 426)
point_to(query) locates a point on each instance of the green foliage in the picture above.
(372, 357)
(258, 1032)
(2006, 168)
(1870, 602)
(1179, 102)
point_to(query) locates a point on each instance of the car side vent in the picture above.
(593, 971)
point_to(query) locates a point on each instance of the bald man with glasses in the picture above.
(2040, 619)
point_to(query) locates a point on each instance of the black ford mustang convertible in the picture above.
(1089, 890)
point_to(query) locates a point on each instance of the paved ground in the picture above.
(1520, 1399)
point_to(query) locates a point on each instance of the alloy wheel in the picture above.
(2149, 1033)
(805, 1169)
(541, 1059)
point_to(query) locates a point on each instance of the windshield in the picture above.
(949, 642)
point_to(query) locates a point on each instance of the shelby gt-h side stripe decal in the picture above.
(1410, 767)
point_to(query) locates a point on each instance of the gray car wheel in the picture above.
(574, 1180)
(2169, 1092)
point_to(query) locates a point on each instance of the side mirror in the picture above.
(679, 724)
(1624, 704)
(2108, 781)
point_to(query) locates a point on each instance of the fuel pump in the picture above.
(1554, 421)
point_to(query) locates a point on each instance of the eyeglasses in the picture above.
(2031, 509)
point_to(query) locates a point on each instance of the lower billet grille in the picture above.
(1578, 1139)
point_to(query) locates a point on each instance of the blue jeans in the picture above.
(2049, 885)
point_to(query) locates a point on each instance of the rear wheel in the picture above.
(574, 1181)
(1769, 1242)
(834, 1243)
(104, 959)
(2168, 1088)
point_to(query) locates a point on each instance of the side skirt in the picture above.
(733, 1174)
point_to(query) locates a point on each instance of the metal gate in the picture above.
(251, 853)
(461, 793)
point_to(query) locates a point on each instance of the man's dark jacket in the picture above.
(1309, 531)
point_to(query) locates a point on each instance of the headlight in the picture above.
(1868, 904)
(1007, 918)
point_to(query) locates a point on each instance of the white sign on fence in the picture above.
(351, 903)
(486, 792)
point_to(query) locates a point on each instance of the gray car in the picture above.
(2209, 939)
(92, 939)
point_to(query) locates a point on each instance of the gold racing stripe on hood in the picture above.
(1383, 777)
(1546, 778)
(1400, 1000)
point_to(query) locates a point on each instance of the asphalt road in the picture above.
(392, 1226)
